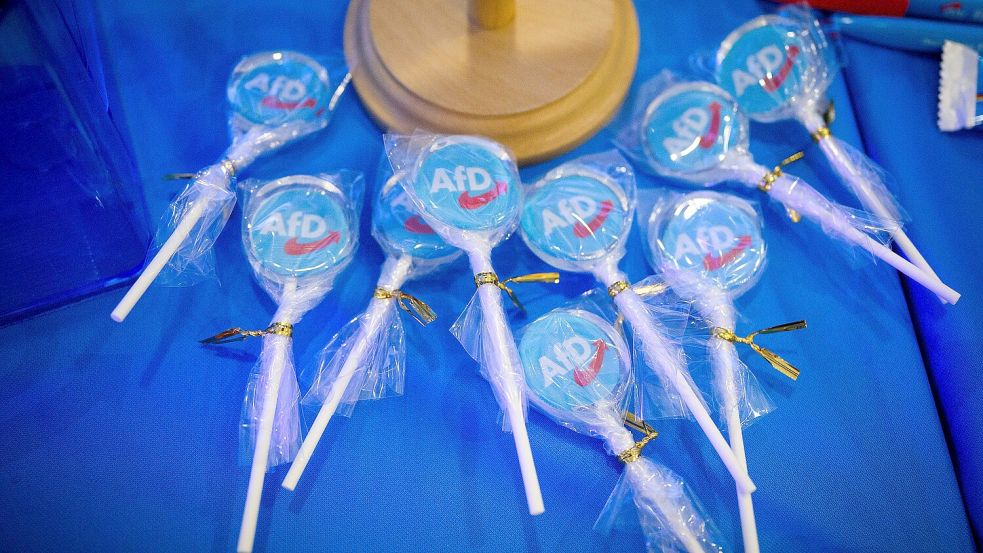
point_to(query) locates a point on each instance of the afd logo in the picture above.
(767, 68)
(575, 354)
(695, 127)
(475, 185)
(281, 92)
(710, 239)
(308, 232)
(583, 213)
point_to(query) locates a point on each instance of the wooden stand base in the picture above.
(542, 83)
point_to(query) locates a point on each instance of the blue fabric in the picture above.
(939, 181)
(124, 437)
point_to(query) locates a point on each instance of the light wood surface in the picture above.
(541, 84)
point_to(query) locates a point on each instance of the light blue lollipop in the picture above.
(298, 226)
(467, 183)
(400, 230)
(273, 88)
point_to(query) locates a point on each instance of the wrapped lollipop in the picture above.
(779, 67)
(577, 218)
(275, 98)
(466, 189)
(709, 248)
(299, 232)
(365, 359)
(578, 372)
(695, 131)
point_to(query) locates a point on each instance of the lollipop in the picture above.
(276, 97)
(709, 248)
(577, 218)
(779, 67)
(466, 189)
(578, 372)
(299, 232)
(695, 132)
(366, 357)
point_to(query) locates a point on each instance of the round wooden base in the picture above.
(541, 85)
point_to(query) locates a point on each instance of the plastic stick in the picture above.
(792, 194)
(658, 357)
(505, 375)
(160, 260)
(394, 273)
(858, 185)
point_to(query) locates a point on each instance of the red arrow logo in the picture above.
(292, 247)
(580, 230)
(416, 225)
(275, 103)
(467, 201)
(584, 377)
(710, 137)
(772, 83)
(712, 263)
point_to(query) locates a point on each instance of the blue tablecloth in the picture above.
(124, 437)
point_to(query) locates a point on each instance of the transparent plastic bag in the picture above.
(779, 67)
(578, 372)
(299, 232)
(577, 217)
(694, 131)
(466, 188)
(274, 98)
(366, 358)
(960, 88)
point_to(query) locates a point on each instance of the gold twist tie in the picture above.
(617, 288)
(491, 278)
(632, 454)
(771, 176)
(228, 166)
(828, 116)
(644, 291)
(776, 361)
(236, 334)
(414, 306)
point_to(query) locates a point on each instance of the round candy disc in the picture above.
(401, 230)
(273, 88)
(691, 127)
(573, 360)
(714, 234)
(297, 227)
(468, 183)
(762, 64)
(574, 217)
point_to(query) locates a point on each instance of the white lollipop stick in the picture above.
(261, 455)
(724, 356)
(505, 375)
(860, 187)
(377, 316)
(159, 261)
(799, 196)
(658, 357)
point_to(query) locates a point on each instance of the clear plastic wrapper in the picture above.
(577, 370)
(578, 217)
(779, 67)
(299, 233)
(274, 98)
(960, 88)
(366, 358)
(695, 132)
(466, 188)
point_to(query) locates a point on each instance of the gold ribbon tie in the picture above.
(412, 305)
(771, 176)
(776, 361)
(237, 334)
(828, 116)
(491, 278)
(632, 454)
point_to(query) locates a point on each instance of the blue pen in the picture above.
(907, 33)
